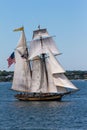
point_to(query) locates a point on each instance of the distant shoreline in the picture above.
(7, 76)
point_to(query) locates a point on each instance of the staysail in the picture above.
(62, 80)
(51, 86)
(22, 76)
(54, 64)
(58, 73)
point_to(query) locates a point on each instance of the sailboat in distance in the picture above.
(38, 75)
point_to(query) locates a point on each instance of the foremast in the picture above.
(22, 71)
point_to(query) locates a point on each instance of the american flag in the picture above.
(11, 59)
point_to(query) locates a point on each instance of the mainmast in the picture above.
(43, 63)
(39, 45)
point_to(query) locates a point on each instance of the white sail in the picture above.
(40, 33)
(62, 81)
(22, 77)
(50, 43)
(61, 89)
(43, 87)
(57, 70)
(36, 48)
(39, 81)
(51, 86)
(54, 64)
(22, 41)
(36, 75)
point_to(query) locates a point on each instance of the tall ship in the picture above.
(38, 75)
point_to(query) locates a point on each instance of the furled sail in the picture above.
(22, 76)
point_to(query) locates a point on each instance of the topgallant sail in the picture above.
(38, 76)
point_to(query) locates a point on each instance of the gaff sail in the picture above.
(22, 76)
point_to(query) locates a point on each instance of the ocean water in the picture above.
(69, 114)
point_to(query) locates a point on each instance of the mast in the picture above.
(44, 70)
(51, 76)
(22, 76)
(35, 44)
(42, 79)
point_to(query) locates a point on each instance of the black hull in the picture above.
(47, 98)
(40, 97)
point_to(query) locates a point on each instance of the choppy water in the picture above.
(70, 114)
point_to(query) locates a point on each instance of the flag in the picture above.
(11, 59)
(19, 29)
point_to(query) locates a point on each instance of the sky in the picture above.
(66, 19)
